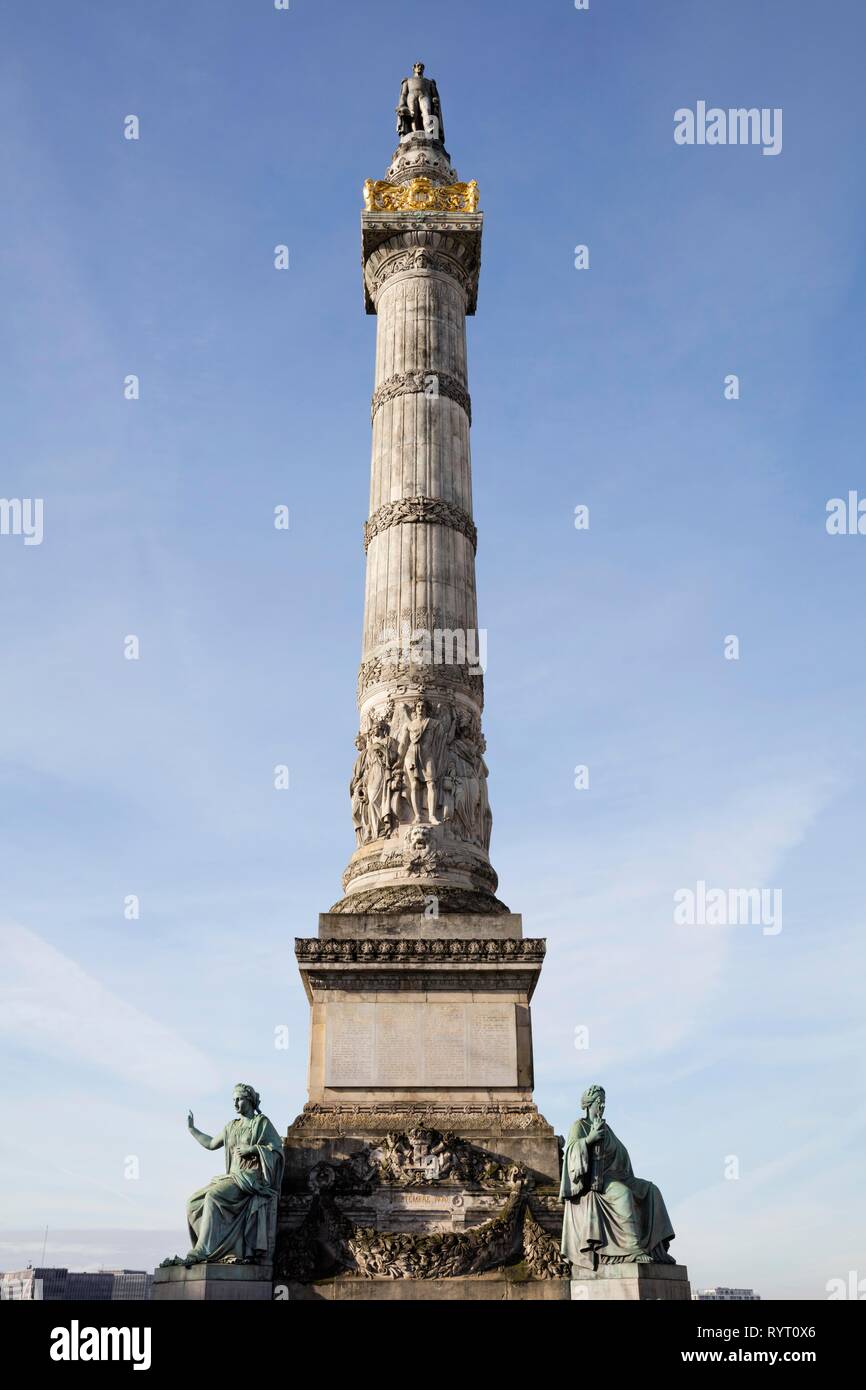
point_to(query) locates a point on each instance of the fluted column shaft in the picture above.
(419, 572)
(419, 784)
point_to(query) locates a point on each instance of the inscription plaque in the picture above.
(420, 1044)
(397, 1043)
(349, 1047)
(445, 1044)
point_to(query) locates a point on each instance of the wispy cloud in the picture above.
(49, 1004)
(622, 967)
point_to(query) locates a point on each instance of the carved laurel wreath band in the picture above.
(430, 384)
(432, 510)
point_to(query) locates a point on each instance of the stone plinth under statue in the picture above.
(209, 1283)
(652, 1283)
(616, 1232)
(232, 1220)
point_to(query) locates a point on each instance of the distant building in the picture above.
(28, 1285)
(131, 1284)
(18, 1286)
(55, 1285)
(88, 1287)
(720, 1294)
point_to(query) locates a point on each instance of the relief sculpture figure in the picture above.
(422, 746)
(357, 791)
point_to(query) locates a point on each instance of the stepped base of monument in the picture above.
(207, 1283)
(632, 1283)
(498, 1286)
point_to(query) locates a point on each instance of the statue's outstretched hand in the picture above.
(190, 1123)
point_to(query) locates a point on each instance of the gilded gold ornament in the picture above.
(420, 195)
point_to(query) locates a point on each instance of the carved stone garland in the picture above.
(432, 510)
(420, 1157)
(499, 1241)
(429, 384)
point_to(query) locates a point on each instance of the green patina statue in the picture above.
(610, 1217)
(232, 1219)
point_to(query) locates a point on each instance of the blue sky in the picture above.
(602, 387)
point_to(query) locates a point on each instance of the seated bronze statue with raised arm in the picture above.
(232, 1219)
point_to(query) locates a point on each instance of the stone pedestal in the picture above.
(496, 1287)
(419, 1021)
(626, 1283)
(420, 1123)
(207, 1283)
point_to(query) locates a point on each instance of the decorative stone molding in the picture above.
(448, 1172)
(511, 1233)
(417, 615)
(419, 950)
(426, 249)
(416, 155)
(439, 242)
(429, 384)
(418, 1157)
(385, 658)
(416, 899)
(407, 676)
(396, 1255)
(364, 1119)
(387, 979)
(419, 259)
(420, 195)
(432, 511)
(481, 873)
(540, 1251)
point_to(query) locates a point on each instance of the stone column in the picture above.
(420, 1117)
(419, 787)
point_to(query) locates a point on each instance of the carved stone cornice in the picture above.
(380, 1119)
(419, 950)
(430, 384)
(432, 511)
(461, 979)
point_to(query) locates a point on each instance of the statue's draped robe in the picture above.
(610, 1216)
(230, 1217)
